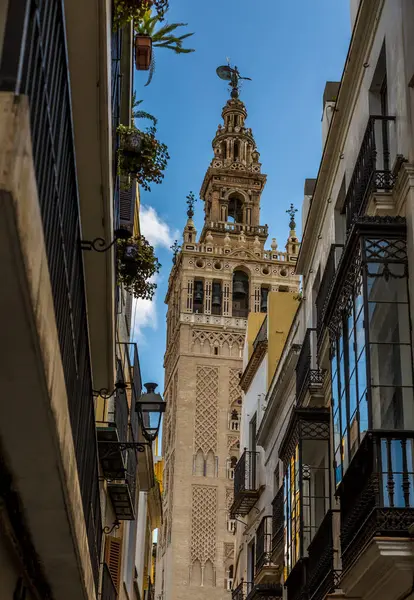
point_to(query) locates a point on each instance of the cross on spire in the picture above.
(291, 212)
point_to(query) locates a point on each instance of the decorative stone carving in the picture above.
(205, 429)
(203, 524)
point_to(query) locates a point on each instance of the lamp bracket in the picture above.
(99, 244)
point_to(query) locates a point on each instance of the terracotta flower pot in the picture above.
(143, 52)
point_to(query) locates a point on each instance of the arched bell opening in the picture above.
(235, 209)
(240, 294)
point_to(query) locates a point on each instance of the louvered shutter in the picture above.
(127, 198)
(113, 551)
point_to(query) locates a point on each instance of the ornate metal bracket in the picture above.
(114, 447)
(99, 244)
(120, 386)
(115, 525)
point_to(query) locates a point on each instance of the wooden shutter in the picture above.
(113, 551)
(127, 199)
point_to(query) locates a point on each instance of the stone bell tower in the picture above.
(216, 280)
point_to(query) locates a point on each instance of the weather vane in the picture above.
(191, 199)
(232, 75)
(291, 212)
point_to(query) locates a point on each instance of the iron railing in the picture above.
(296, 582)
(327, 282)
(108, 587)
(322, 577)
(372, 169)
(116, 48)
(34, 63)
(245, 479)
(264, 543)
(277, 523)
(132, 377)
(131, 474)
(237, 227)
(240, 592)
(377, 492)
(308, 374)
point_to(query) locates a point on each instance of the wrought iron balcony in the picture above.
(296, 583)
(372, 169)
(309, 377)
(248, 590)
(112, 430)
(122, 491)
(108, 587)
(266, 570)
(322, 573)
(246, 490)
(326, 285)
(377, 492)
(277, 528)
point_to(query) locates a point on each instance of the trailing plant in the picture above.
(126, 11)
(141, 155)
(137, 263)
(162, 36)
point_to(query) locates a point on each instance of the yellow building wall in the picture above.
(254, 322)
(281, 309)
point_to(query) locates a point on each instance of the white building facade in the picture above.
(336, 437)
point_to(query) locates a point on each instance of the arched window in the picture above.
(232, 465)
(208, 574)
(236, 208)
(236, 150)
(240, 294)
(210, 464)
(196, 573)
(199, 464)
(223, 149)
(234, 423)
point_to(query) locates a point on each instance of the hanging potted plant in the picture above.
(151, 34)
(126, 11)
(141, 155)
(137, 263)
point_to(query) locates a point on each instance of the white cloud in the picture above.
(144, 315)
(157, 231)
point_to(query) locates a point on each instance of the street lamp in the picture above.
(150, 407)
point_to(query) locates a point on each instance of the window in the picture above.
(236, 149)
(306, 496)
(216, 298)
(198, 298)
(240, 294)
(234, 421)
(252, 434)
(264, 292)
(236, 208)
(371, 357)
(231, 467)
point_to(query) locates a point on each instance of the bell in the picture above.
(216, 300)
(198, 294)
(239, 289)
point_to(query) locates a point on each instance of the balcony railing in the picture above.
(36, 66)
(325, 287)
(372, 169)
(246, 491)
(237, 228)
(108, 587)
(248, 590)
(277, 527)
(322, 576)
(308, 374)
(264, 544)
(377, 492)
(296, 582)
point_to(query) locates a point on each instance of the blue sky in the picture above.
(289, 49)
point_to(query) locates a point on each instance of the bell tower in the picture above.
(216, 280)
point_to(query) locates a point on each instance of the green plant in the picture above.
(140, 114)
(141, 155)
(162, 36)
(137, 263)
(126, 11)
